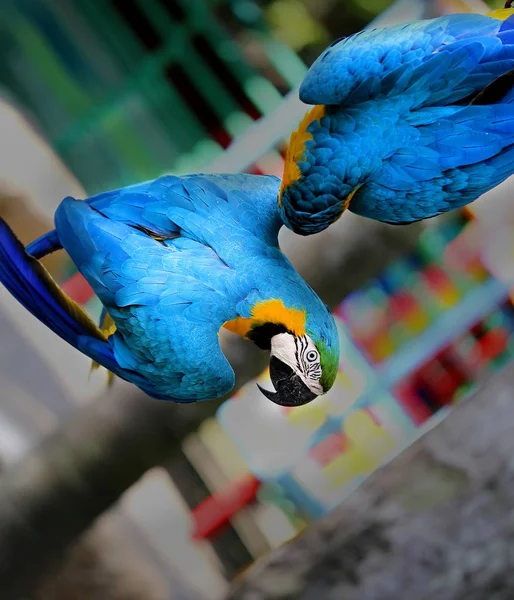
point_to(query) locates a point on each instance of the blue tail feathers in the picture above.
(29, 282)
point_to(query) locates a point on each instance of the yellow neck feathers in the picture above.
(502, 14)
(108, 328)
(269, 311)
(296, 147)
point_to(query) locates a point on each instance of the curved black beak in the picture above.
(291, 390)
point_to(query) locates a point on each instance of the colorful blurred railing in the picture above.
(415, 340)
(128, 89)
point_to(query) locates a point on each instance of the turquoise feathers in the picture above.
(412, 121)
(173, 260)
(408, 122)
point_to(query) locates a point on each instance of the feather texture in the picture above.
(172, 260)
(417, 120)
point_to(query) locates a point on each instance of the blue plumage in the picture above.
(418, 120)
(173, 260)
(32, 286)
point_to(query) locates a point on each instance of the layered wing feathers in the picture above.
(441, 61)
(161, 257)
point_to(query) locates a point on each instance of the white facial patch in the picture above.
(301, 355)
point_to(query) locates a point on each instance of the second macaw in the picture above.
(173, 260)
(409, 122)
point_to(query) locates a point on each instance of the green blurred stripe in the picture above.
(160, 151)
(214, 92)
(263, 93)
(52, 71)
(158, 17)
(202, 20)
(140, 124)
(180, 123)
(196, 161)
(118, 131)
(88, 44)
(231, 53)
(147, 125)
(287, 63)
(53, 115)
(116, 33)
(129, 145)
(178, 47)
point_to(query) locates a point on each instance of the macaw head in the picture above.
(303, 345)
(300, 369)
(315, 188)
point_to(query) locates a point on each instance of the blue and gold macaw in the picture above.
(173, 260)
(409, 122)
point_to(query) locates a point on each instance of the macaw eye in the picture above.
(312, 356)
(509, 4)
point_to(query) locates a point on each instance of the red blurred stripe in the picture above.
(78, 289)
(219, 508)
(408, 398)
(493, 343)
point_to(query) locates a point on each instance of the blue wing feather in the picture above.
(153, 204)
(418, 120)
(150, 310)
(171, 260)
(456, 159)
(169, 296)
(446, 58)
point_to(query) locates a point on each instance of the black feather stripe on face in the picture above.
(261, 334)
(301, 344)
(314, 370)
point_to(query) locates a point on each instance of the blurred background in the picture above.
(99, 94)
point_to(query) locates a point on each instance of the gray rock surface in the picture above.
(437, 523)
